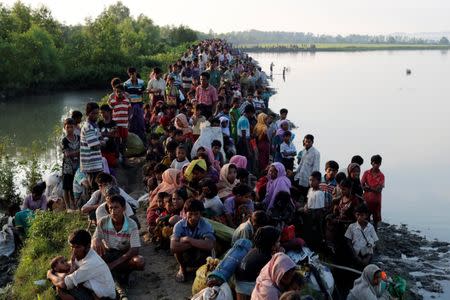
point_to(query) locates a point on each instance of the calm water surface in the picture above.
(364, 103)
(353, 103)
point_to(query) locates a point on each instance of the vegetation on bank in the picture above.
(40, 53)
(338, 47)
(47, 238)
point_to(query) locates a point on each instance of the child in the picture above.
(373, 183)
(234, 117)
(283, 117)
(288, 151)
(238, 207)
(361, 237)
(155, 150)
(154, 214)
(197, 119)
(108, 129)
(164, 229)
(77, 116)
(216, 146)
(121, 107)
(316, 198)
(80, 188)
(71, 150)
(328, 183)
(213, 205)
(59, 266)
(181, 159)
(171, 149)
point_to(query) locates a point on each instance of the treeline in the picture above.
(281, 37)
(39, 53)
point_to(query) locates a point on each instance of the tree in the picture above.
(444, 41)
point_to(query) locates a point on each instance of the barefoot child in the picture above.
(373, 183)
(71, 150)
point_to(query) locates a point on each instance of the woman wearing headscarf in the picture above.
(170, 182)
(277, 182)
(274, 278)
(239, 161)
(227, 180)
(266, 242)
(262, 139)
(182, 123)
(353, 172)
(368, 286)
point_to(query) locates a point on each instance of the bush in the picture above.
(47, 238)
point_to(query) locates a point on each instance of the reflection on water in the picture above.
(363, 103)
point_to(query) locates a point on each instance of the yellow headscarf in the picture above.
(261, 127)
(196, 162)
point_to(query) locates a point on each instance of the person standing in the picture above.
(135, 88)
(308, 162)
(373, 183)
(90, 155)
(206, 94)
(156, 87)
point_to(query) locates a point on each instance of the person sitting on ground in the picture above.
(37, 199)
(274, 278)
(155, 150)
(181, 158)
(193, 238)
(171, 149)
(247, 229)
(164, 224)
(373, 183)
(368, 286)
(238, 207)
(266, 242)
(216, 147)
(155, 213)
(103, 209)
(283, 209)
(328, 182)
(361, 237)
(89, 277)
(116, 239)
(227, 181)
(170, 182)
(213, 206)
(288, 151)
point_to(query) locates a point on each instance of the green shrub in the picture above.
(47, 238)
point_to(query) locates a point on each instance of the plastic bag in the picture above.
(397, 287)
(214, 293)
(7, 245)
(207, 135)
(201, 275)
(135, 146)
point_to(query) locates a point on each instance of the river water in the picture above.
(353, 103)
(364, 103)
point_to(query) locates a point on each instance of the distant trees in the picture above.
(444, 41)
(38, 52)
(280, 37)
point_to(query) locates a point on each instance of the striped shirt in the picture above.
(90, 159)
(124, 239)
(120, 109)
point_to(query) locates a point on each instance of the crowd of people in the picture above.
(215, 154)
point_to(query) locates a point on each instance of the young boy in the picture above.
(283, 117)
(328, 183)
(240, 206)
(216, 146)
(71, 150)
(181, 159)
(121, 107)
(361, 237)
(288, 151)
(196, 120)
(316, 198)
(108, 129)
(77, 116)
(373, 183)
(213, 205)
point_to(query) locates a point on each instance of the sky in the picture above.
(316, 16)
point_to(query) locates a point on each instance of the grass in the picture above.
(340, 47)
(47, 238)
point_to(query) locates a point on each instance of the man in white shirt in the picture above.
(89, 276)
(156, 87)
(308, 162)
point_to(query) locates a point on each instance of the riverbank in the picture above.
(336, 47)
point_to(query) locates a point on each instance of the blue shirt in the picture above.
(135, 90)
(203, 230)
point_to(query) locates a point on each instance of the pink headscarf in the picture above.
(280, 130)
(279, 184)
(169, 185)
(269, 278)
(184, 124)
(239, 160)
(214, 163)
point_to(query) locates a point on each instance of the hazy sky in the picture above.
(317, 16)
